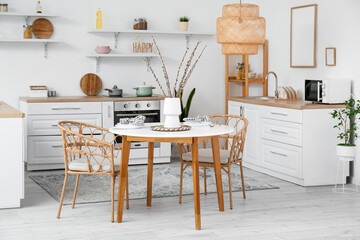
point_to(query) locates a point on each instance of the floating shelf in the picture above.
(117, 32)
(26, 15)
(251, 80)
(44, 41)
(146, 56)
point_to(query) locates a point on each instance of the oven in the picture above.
(130, 109)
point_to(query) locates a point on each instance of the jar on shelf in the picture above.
(140, 24)
(27, 31)
(5, 6)
(2, 9)
(241, 71)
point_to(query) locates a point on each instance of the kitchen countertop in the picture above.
(6, 111)
(293, 104)
(87, 99)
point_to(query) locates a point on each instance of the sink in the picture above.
(259, 98)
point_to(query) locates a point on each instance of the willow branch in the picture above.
(157, 80)
(181, 63)
(166, 76)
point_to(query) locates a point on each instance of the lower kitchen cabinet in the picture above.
(297, 145)
(43, 141)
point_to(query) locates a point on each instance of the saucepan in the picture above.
(114, 92)
(144, 91)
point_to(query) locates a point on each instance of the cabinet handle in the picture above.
(57, 146)
(281, 154)
(278, 113)
(54, 125)
(278, 131)
(134, 114)
(109, 109)
(65, 108)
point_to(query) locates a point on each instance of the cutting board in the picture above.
(42, 28)
(91, 84)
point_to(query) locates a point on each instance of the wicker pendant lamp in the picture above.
(240, 30)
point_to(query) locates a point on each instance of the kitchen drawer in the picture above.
(284, 132)
(283, 114)
(45, 150)
(64, 108)
(283, 158)
(47, 124)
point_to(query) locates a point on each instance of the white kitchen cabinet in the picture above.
(297, 145)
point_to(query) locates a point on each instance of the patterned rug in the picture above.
(166, 180)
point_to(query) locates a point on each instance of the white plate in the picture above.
(127, 126)
(197, 124)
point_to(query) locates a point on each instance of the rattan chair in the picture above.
(228, 157)
(89, 150)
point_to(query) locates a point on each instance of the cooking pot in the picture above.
(114, 92)
(144, 91)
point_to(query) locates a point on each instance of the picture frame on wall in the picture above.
(330, 56)
(303, 36)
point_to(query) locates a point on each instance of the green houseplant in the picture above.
(184, 23)
(347, 126)
(185, 109)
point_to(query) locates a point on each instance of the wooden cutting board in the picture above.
(42, 28)
(91, 84)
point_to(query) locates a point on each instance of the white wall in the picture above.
(23, 64)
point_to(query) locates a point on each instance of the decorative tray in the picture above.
(161, 128)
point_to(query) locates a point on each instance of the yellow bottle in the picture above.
(99, 19)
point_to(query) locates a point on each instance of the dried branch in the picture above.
(193, 67)
(166, 76)
(177, 76)
(157, 80)
(188, 64)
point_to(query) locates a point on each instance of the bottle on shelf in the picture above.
(99, 24)
(38, 7)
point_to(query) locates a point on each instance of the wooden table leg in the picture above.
(123, 176)
(195, 161)
(217, 163)
(150, 173)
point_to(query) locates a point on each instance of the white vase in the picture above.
(183, 26)
(172, 110)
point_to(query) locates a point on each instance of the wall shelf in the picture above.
(44, 41)
(117, 32)
(145, 56)
(26, 15)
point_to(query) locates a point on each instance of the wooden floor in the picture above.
(291, 212)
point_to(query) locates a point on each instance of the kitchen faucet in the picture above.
(276, 83)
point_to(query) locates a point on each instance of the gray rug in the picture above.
(166, 180)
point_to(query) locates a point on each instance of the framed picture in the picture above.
(303, 36)
(330, 56)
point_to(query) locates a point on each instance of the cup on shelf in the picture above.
(52, 93)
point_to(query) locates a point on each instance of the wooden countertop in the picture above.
(293, 104)
(6, 111)
(86, 99)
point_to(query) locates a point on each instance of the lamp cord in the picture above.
(240, 13)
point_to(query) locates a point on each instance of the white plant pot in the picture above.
(183, 26)
(172, 110)
(346, 151)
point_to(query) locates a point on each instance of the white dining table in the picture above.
(193, 136)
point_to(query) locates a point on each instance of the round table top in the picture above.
(198, 131)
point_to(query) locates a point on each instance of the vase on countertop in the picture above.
(171, 111)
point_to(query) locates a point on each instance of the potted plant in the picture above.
(172, 106)
(347, 126)
(184, 23)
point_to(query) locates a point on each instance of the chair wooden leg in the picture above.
(181, 181)
(62, 195)
(127, 192)
(205, 191)
(75, 190)
(242, 180)
(230, 189)
(112, 197)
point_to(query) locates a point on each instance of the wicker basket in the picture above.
(239, 49)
